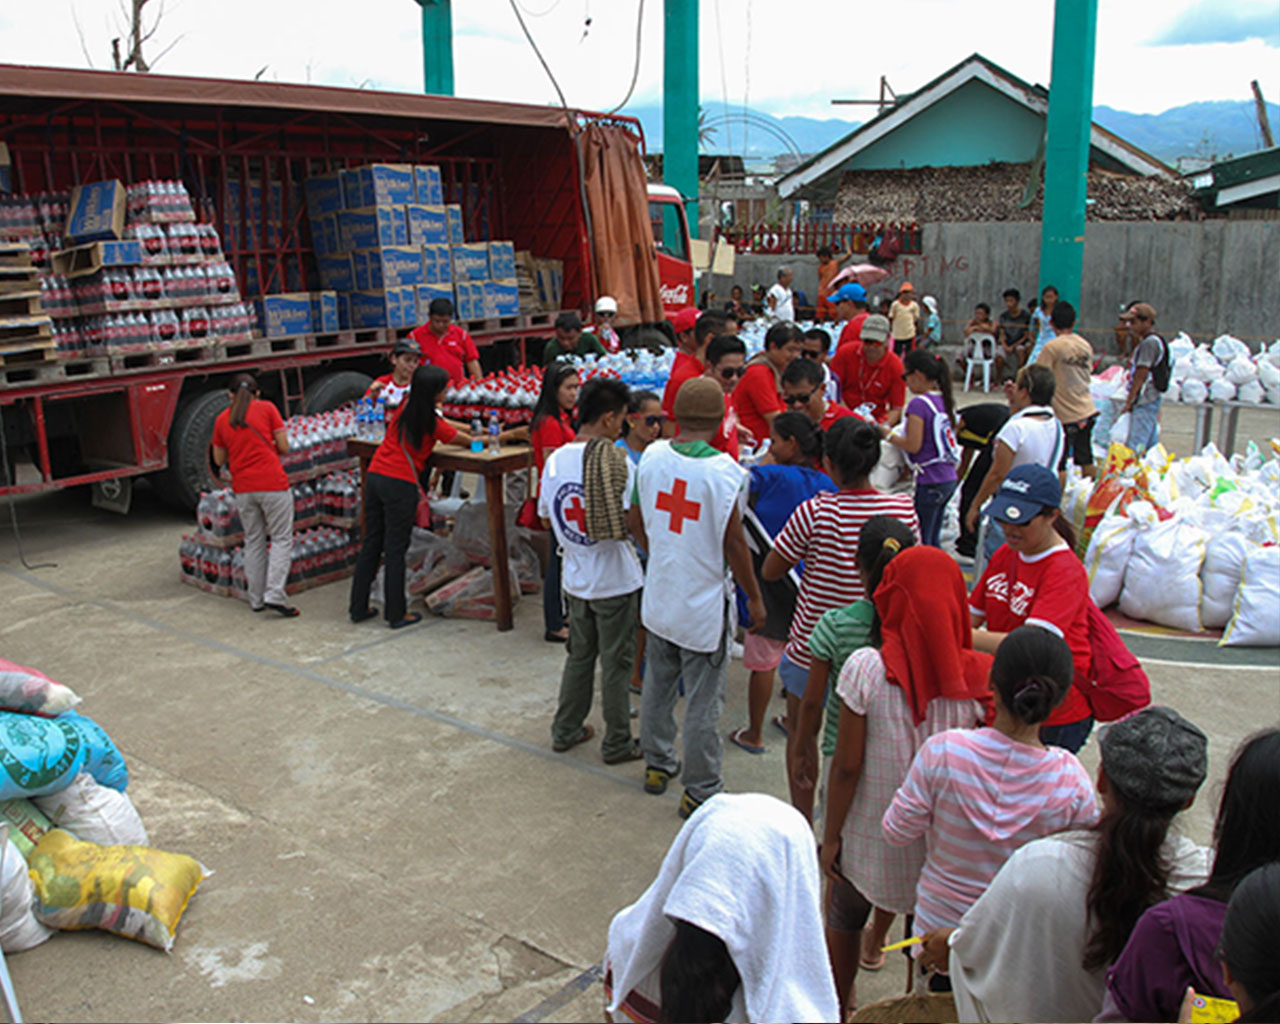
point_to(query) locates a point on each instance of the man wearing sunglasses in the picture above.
(870, 374)
(726, 363)
(1149, 377)
(606, 314)
(758, 397)
(817, 346)
(802, 391)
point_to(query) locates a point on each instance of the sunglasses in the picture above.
(800, 399)
(729, 372)
(810, 355)
(649, 421)
(606, 315)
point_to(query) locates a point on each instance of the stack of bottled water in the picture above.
(371, 419)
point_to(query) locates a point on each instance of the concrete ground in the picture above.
(391, 835)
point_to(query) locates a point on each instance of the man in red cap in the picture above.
(693, 333)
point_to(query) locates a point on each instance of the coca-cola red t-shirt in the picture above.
(1050, 590)
(852, 330)
(726, 439)
(451, 353)
(251, 449)
(755, 396)
(684, 367)
(392, 457)
(835, 411)
(879, 383)
(549, 435)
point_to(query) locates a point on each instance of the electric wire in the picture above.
(540, 14)
(635, 71)
(724, 81)
(515, 7)
(746, 90)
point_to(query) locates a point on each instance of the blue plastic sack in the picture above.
(42, 755)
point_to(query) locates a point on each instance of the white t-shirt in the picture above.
(1035, 435)
(593, 569)
(784, 307)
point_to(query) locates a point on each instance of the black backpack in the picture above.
(1161, 371)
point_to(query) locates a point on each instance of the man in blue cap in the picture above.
(850, 301)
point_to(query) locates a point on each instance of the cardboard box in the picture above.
(89, 259)
(392, 266)
(502, 260)
(428, 293)
(471, 262)
(386, 184)
(284, 315)
(344, 311)
(96, 212)
(437, 264)
(427, 224)
(336, 273)
(549, 278)
(468, 300)
(324, 194)
(370, 228)
(428, 186)
(453, 215)
(501, 298)
(350, 179)
(324, 312)
(391, 307)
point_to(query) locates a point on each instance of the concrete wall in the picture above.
(1204, 278)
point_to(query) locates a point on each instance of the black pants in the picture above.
(967, 543)
(390, 505)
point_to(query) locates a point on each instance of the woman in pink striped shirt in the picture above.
(977, 795)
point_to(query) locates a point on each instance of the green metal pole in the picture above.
(437, 47)
(680, 103)
(1066, 164)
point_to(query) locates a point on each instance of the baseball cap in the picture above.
(1144, 309)
(875, 328)
(568, 322)
(906, 287)
(685, 320)
(1155, 758)
(700, 404)
(606, 304)
(1024, 493)
(406, 345)
(852, 292)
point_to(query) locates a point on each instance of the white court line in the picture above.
(1207, 665)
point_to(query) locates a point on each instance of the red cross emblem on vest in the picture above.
(679, 507)
(575, 512)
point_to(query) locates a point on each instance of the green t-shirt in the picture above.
(837, 635)
(588, 344)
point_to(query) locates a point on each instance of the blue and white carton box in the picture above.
(468, 300)
(392, 307)
(501, 298)
(285, 315)
(428, 186)
(96, 213)
(438, 264)
(351, 198)
(344, 311)
(427, 224)
(386, 184)
(453, 215)
(336, 272)
(502, 260)
(325, 236)
(471, 262)
(370, 227)
(324, 194)
(324, 312)
(426, 294)
(388, 267)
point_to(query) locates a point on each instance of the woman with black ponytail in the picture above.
(977, 795)
(930, 438)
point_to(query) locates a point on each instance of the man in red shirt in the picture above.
(693, 333)
(850, 301)
(756, 398)
(870, 374)
(803, 391)
(726, 363)
(445, 344)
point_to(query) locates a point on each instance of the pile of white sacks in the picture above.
(1225, 371)
(1190, 543)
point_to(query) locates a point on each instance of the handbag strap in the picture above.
(416, 477)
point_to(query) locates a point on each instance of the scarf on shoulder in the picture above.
(604, 480)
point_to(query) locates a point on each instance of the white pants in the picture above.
(267, 514)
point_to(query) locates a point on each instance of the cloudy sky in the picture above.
(781, 56)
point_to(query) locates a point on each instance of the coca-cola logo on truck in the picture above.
(674, 294)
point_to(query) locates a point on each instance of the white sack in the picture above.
(1241, 370)
(1256, 622)
(1226, 348)
(1273, 396)
(1252, 392)
(1194, 391)
(1120, 428)
(1109, 549)
(1222, 391)
(1220, 577)
(19, 928)
(1162, 579)
(94, 813)
(1268, 372)
(1180, 347)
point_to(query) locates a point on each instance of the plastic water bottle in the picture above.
(495, 428)
(477, 435)
(380, 420)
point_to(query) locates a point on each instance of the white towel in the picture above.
(744, 868)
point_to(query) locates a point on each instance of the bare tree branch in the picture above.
(261, 71)
(115, 54)
(156, 59)
(84, 46)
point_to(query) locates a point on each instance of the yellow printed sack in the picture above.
(134, 891)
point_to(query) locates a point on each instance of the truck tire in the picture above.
(336, 389)
(189, 472)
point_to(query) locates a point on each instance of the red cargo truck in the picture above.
(519, 172)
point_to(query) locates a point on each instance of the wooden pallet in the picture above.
(539, 319)
(18, 279)
(61, 368)
(371, 336)
(494, 323)
(127, 362)
(21, 305)
(258, 348)
(15, 254)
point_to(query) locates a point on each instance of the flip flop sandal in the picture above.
(780, 723)
(736, 739)
(368, 613)
(408, 620)
(871, 965)
(584, 734)
(283, 610)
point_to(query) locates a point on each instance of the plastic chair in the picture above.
(981, 352)
(6, 982)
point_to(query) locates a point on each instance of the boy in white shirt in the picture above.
(585, 488)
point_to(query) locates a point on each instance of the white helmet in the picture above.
(605, 304)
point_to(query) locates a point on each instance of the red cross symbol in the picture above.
(679, 507)
(575, 512)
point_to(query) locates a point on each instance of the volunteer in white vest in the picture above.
(1032, 435)
(685, 512)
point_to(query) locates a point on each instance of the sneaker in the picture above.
(656, 779)
(688, 805)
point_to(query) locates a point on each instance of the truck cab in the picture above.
(671, 240)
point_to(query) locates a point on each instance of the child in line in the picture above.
(823, 534)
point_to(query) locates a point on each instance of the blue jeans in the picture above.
(1144, 426)
(931, 505)
(1070, 736)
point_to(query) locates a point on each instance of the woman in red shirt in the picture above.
(392, 488)
(552, 427)
(249, 439)
(1035, 579)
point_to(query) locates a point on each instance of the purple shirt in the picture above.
(935, 470)
(1172, 946)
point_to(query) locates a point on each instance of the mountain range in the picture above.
(1209, 129)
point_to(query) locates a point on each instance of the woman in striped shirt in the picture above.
(977, 795)
(823, 533)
